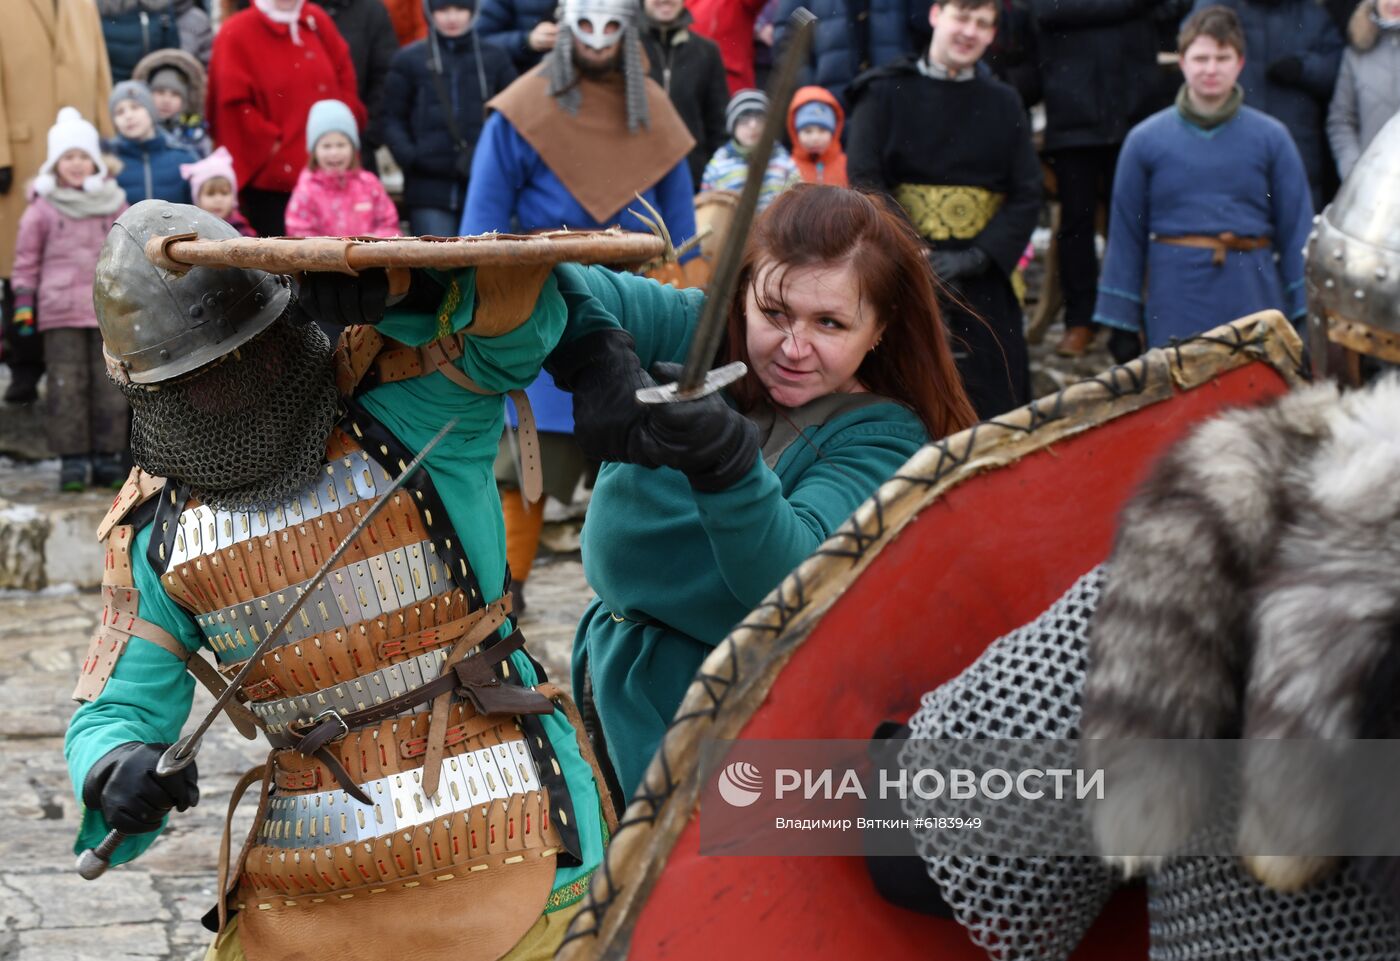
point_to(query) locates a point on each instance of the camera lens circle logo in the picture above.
(740, 784)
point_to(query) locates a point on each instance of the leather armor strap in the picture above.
(496, 612)
(402, 362)
(472, 678)
(249, 778)
(585, 747)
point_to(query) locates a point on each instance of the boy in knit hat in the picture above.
(72, 206)
(150, 160)
(814, 125)
(728, 168)
(214, 187)
(176, 80)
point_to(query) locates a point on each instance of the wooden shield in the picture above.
(973, 537)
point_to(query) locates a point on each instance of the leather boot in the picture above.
(73, 472)
(1075, 342)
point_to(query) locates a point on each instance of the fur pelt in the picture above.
(1253, 591)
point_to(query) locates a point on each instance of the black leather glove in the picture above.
(339, 300)
(603, 373)
(7, 179)
(123, 785)
(951, 265)
(1124, 345)
(1286, 70)
(708, 441)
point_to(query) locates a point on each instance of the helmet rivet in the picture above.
(1330, 283)
(1360, 295)
(164, 354)
(1380, 273)
(1337, 253)
(196, 310)
(167, 214)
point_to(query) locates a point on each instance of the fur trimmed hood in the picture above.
(186, 63)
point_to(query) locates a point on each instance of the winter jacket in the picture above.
(689, 68)
(367, 30)
(151, 168)
(56, 255)
(51, 56)
(854, 36)
(1098, 69)
(829, 166)
(1368, 88)
(262, 85)
(1277, 30)
(135, 28)
(411, 113)
(729, 23)
(729, 168)
(350, 204)
(507, 24)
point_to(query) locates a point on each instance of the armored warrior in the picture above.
(1250, 594)
(427, 793)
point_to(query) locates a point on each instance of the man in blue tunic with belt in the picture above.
(571, 144)
(1211, 207)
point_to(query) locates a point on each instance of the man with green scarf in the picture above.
(1211, 207)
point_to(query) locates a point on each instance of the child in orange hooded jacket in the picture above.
(815, 120)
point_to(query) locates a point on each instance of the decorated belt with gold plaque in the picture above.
(942, 212)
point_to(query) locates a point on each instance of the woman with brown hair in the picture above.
(702, 507)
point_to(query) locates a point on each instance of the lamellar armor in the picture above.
(413, 800)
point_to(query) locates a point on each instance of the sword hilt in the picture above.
(715, 380)
(93, 863)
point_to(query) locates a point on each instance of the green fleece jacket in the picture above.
(149, 694)
(675, 569)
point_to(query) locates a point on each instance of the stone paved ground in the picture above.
(149, 909)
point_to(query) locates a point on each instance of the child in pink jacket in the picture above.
(72, 205)
(334, 196)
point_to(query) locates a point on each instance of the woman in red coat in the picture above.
(270, 63)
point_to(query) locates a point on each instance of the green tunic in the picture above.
(149, 694)
(674, 569)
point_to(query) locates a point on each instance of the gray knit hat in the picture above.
(330, 116)
(133, 90)
(745, 101)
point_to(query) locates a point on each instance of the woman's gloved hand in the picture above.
(707, 440)
(123, 785)
(603, 373)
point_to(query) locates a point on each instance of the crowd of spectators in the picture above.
(968, 115)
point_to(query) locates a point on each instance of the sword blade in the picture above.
(183, 751)
(725, 278)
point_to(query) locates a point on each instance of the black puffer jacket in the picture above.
(369, 33)
(134, 28)
(411, 111)
(689, 68)
(1098, 64)
(507, 24)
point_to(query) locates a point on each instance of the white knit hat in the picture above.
(70, 132)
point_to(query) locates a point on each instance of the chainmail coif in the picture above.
(250, 429)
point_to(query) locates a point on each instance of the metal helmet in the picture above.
(599, 15)
(157, 324)
(1353, 264)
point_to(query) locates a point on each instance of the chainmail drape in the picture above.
(563, 76)
(248, 430)
(1028, 685)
